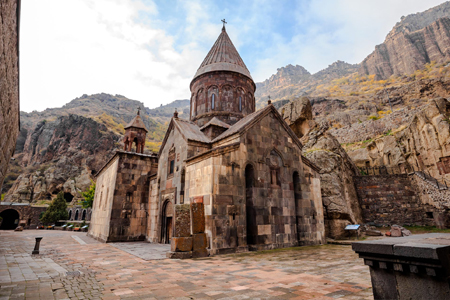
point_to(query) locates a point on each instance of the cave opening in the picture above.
(68, 197)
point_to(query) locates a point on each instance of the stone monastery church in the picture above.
(229, 179)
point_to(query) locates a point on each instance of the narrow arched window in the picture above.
(213, 98)
(240, 103)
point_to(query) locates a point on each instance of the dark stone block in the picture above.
(181, 244)
(182, 220)
(198, 217)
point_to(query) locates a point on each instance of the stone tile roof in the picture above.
(216, 122)
(190, 130)
(242, 123)
(137, 123)
(223, 56)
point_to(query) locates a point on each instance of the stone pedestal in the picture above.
(413, 267)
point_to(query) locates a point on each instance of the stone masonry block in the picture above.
(182, 220)
(179, 255)
(199, 241)
(198, 217)
(200, 253)
(181, 244)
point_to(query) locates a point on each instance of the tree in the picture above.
(89, 196)
(56, 211)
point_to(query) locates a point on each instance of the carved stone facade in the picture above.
(9, 82)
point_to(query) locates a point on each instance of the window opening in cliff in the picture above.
(68, 197)
(389, 158)
(252, 229)
(367, 164)
(183, 182)
(129, 197)
(10, 219)
(297, 199)
(83, 215)
(76, 216)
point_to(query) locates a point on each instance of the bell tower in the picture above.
(135, 133)
(222, 87)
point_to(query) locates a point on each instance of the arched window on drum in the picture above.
(213, 93)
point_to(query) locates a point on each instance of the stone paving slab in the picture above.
(105, 271)
(144, 250)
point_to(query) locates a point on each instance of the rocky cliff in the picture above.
(59, 149)
(293, 81)
(61, 155)
(416, 40)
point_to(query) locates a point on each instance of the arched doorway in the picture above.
(70, 214)
(76, 216)
(83, 215)
(297, 198)
(252, 228)
(10, 219)
(166, 222)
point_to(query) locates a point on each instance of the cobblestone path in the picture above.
(73, 266)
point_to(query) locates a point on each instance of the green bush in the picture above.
(56, 211)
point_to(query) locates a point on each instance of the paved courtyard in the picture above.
(74, 266)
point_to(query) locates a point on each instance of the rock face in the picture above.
(423, 144)
(9, 83)
(416, 40)
(62, 156)
(277, 86)
(295, 80)
(339, 197)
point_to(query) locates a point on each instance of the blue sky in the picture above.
(149, 50)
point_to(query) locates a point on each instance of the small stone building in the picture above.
(245, 166)
(120, 206)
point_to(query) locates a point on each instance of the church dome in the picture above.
(223, 56)
(222, 87)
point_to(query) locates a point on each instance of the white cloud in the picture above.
(149, 51)
(70, 48)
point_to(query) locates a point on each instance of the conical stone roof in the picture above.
(223, 56)
(137, 123)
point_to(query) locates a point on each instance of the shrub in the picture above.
(56, 211)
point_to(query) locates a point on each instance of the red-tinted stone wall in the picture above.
(229, 89)
(390, 199)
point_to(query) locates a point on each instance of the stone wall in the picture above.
(262, 210)
(9, 82)
(369, 129)
(227, 87)
(391, 199)
(101, 207)
(28, 215)
(119, 211)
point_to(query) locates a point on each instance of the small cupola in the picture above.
(135, 133)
